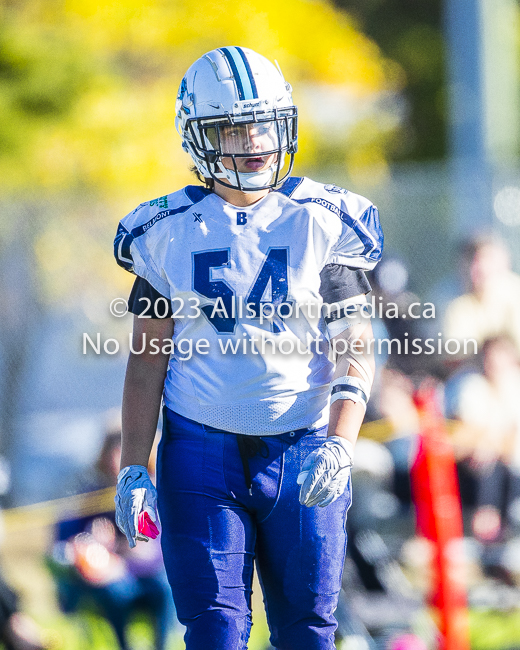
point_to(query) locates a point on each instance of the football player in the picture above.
(263, 395)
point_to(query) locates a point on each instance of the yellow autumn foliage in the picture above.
(118, 138)
(87, 97)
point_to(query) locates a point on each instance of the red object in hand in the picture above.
(146, 526)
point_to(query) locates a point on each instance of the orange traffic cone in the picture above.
(436, 496)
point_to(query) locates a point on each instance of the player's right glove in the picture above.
(325, 472)
(135, 494)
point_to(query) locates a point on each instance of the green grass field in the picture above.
(495, 630)
(489, 631)
(23, 553)
(90, 632)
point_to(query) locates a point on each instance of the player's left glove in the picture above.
(135, 495)
(325, 472)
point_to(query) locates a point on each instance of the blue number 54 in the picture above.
(273, 272)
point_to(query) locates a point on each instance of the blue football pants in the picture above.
(213, 528)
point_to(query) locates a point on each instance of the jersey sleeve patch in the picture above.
(369, 220)
(122, 252)
(161, 202)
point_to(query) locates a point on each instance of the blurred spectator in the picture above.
(487, 438)
(94, 568)
(17, 631)
(379, 604)
(491, 307)
(397, 406)
(391, 300)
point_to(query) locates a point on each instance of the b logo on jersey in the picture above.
(241, 218)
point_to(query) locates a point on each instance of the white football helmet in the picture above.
(233, 103)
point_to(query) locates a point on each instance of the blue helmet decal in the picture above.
(242, 72)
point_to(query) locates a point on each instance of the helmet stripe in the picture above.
(249, 72)
(234, 70)
(239, 70)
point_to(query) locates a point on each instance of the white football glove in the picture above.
(325, 472)
(135, 492)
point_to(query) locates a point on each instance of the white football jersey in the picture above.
(244, 283)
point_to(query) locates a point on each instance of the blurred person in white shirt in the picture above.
(487, 437)
(491, 307)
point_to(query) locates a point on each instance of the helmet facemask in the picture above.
(228, 146)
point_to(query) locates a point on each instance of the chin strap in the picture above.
(256, 180)
(248, 180)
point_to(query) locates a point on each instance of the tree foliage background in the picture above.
(87, 108)
(410, 33)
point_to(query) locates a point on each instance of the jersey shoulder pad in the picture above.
(140, 232)
(361, 241)
(328, 195)
(147, 214)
